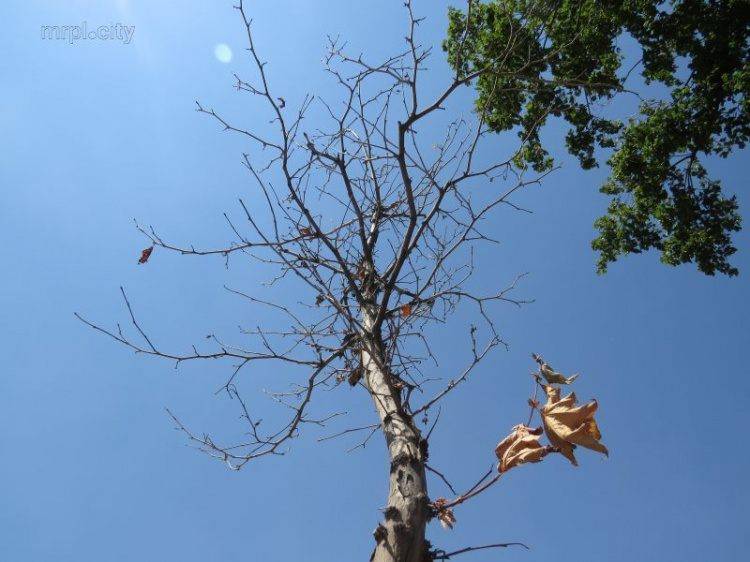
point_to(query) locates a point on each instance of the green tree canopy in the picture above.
(570, 65)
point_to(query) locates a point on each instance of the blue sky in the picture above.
(97, 133)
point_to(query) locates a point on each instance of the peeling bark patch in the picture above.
(405, 482)
(380, 533)
(403, 459)
(392, 513)
(401, 529)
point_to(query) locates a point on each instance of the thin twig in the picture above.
(442, 477)
(441, 555)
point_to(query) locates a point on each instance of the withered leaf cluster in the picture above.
(565, 424)
(444, 515)
(568, 425)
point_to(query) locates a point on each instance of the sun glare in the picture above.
(223, 53)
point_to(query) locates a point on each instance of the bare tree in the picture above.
(370, 220)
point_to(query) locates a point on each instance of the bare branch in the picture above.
(442, 555)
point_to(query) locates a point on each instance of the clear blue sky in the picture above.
(99, 132)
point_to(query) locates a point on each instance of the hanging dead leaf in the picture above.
(355, 375)
(445, 516)
(398, 383)
(533, 403)
(319, 299)
(568, 425)
(406, 310)
(306, 231)
(520, 447)
(145, 254)
(550, 375)
(447, 519)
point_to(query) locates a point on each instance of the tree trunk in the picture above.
(401, 535)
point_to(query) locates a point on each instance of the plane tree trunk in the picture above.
(400, 536)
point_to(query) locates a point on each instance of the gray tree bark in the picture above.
(401, 535)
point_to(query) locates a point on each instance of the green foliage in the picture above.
(532, 60)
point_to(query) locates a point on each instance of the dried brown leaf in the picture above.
(550, 375)
(398, 383)
(145, 254)
(355, 375)
(447, 519)
(520, 447)
(568, 425)
(445, 516)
